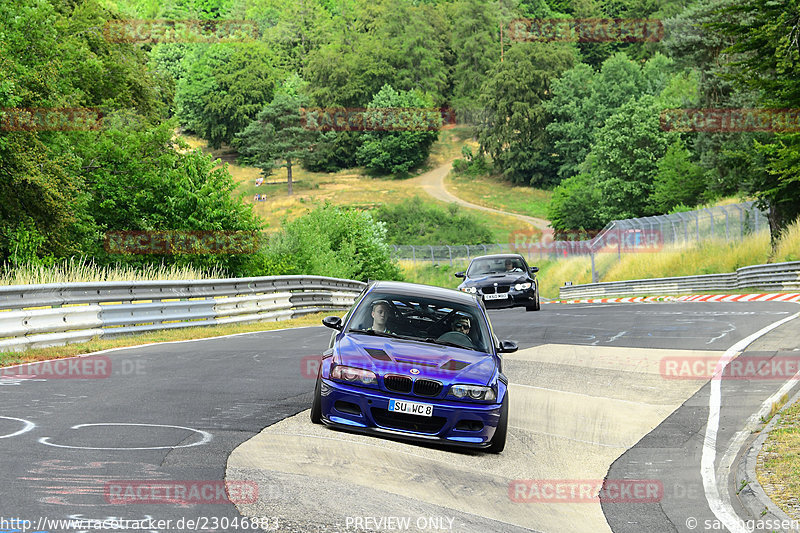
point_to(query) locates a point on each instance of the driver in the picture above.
(380, 315)
(462, 324)
(510, 266)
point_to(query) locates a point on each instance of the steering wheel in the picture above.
(456, 337)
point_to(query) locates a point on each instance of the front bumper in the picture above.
(515, 299)
(454, 423)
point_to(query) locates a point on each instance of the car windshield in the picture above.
(421, 319)
(494, 265)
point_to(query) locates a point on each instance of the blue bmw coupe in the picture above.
(415, 362)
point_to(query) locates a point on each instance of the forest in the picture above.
(584, 118)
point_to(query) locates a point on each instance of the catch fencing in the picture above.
(634, 235)
(34, 316)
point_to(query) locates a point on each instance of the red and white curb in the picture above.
(771, 297)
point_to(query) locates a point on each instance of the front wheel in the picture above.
(499, 440)
(316, 405)
(536, 306)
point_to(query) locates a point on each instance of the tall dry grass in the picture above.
(84, 270)
(788, 248)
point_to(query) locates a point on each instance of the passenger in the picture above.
(462, 324)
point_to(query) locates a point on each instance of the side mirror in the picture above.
(460, 274)
(333, 322)
(534, 270)
(508, 347)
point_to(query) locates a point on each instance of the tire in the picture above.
(316, 405)
(499, 440)
(534, 307)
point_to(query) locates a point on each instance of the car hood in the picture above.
(500, 279)
(394, 356)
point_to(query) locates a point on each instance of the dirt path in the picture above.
(432, 182)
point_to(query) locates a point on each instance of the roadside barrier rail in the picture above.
(35, 316)
(772, 277)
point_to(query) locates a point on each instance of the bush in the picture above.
(396, 152)
(415, 222)
(331, 241)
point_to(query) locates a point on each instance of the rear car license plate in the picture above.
(498, 296)
(412, 408)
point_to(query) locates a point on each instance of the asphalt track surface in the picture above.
(590, 404)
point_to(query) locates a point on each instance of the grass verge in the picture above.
(349, 187)
(490, 191)
(56, 352)
(778, 467)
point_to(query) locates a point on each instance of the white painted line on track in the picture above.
(205, 440)
(2, 368)
(722, 509)
(28, 426)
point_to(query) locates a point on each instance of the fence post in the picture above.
(413, 254)
(727, 225)
(697, 224)
(433, 260)
(450, 253)
(594, 272)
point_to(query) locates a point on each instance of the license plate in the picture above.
(411, 408)
(497, 296)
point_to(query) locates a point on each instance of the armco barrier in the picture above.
(54, 314)
(772, 277)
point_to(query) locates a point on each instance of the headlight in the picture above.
(351, 374)
(522, 286)
(473, 290)
(474, 392)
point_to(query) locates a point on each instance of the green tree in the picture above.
(573, 207)
(624, 159)
(679, 180)
(395, 152)
(140, 181)
(223, 90)
(332, 241)
(475, 46)
(767, 59)
(514, 96)
(277, 133)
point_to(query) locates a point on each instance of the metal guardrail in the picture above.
(54, 314)
(773, 277)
